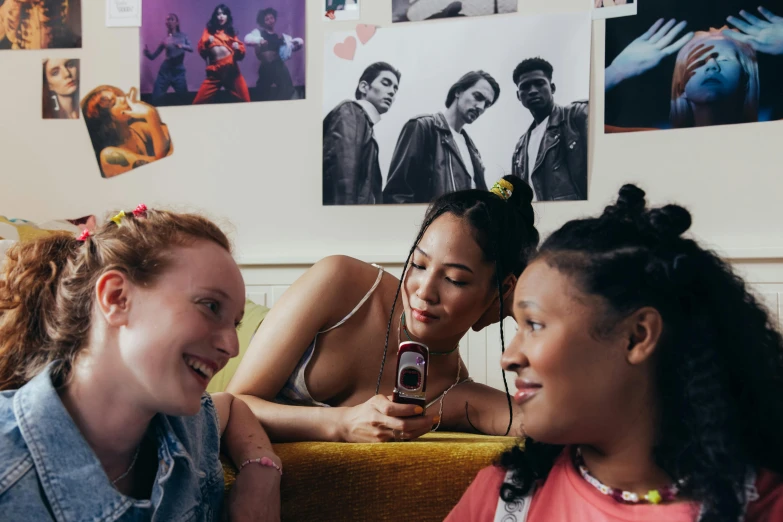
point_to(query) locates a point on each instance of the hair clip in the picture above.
(502, 189)
(140, 210)
(84, 235)
(118, 218)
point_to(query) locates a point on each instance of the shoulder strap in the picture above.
(361, 303)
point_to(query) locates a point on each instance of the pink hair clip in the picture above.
(84, 235)
(140, 210)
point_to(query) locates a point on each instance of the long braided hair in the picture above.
(503, 230)
(720, 367)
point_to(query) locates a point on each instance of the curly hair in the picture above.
(530, 65)
(722, 413)
(504, 231)
(47, 287)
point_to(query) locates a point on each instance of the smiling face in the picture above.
(181, 330)
(62, 76)
(448, 285)
(715, 76)
(571, 382)
(382, 91)
(536, 92)
(474, 101)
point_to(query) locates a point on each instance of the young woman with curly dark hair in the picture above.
(650, 382)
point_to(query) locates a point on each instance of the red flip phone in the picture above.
(410, 387)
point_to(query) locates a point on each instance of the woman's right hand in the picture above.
(378, 418)
(210, 39)
(647, 51)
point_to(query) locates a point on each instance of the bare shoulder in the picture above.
(342, 271)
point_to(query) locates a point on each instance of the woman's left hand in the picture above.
(255, 496)
(764, 36)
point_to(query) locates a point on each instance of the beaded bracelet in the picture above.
(263, 461)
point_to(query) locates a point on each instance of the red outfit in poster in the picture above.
(221, 71)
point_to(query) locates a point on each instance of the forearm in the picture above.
(612, 78)
(478, 407)
(286, 423)
(160, 143)
(244, 438)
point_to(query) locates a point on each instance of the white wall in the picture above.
(258, 165)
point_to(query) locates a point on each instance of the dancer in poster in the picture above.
(552, 155)
(38, 24)
(434, 154)
(125, 133)
(60, 98)
(221, 48)
(172, 71)
(351, 173)
(272, 50)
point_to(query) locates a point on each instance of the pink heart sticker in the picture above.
(346, 49)
(365, 32)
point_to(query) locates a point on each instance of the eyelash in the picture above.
(455, 283)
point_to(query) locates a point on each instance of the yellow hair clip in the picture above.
(118, 218)
(503, 189)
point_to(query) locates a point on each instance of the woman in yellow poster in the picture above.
(125, 133)
(40, 24)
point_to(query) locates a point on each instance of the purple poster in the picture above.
(201, 52)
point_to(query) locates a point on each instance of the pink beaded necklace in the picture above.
(654, 496)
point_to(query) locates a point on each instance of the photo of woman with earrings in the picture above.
(60, 93)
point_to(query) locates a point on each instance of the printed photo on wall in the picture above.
(692, 64)
(126, 133)
(40, 24)
(338, 10)
(60, 89)
(614, 8)
(417, 10)
(415, 112)
(200, 51)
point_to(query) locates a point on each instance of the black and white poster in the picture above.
(412, 112)
(418, 10)
(694, 64)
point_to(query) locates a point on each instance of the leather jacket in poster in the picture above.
(427, 162)
(351, 172)
(560, 172)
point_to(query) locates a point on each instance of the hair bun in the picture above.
(670, 221)
(629, 205)
(522, 195)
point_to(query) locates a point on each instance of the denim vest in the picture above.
(48, 472)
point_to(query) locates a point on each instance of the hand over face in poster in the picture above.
(419, 111)
(40, 24)
(247, 50)
(695, 69)
(126, 133)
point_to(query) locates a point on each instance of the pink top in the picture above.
(566, 496)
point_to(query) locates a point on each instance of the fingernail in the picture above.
(419, 410)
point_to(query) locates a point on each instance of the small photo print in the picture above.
(338, 10)
(613, 8)
(418, 10)
(60, 89)
(40, 24)
(126, 133)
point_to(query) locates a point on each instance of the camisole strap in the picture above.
(361, 303)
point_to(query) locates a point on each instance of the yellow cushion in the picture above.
(254, 314)
(419, 481)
